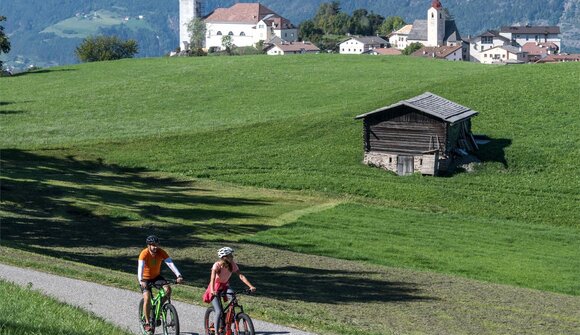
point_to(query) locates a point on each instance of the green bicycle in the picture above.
(162, 313)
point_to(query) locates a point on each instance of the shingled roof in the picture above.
(531, 29)
(240, 13)
(433, 105)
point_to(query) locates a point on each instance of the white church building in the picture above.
(246, 23)
(438, 30)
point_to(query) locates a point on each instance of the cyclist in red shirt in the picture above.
(149, 272)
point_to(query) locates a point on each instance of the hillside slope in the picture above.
(31, 24)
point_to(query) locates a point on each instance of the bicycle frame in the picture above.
(229, 313)
(155, 304)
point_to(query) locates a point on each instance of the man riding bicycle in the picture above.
(149, 273)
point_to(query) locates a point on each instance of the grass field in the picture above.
(25, 312)
(263, 152)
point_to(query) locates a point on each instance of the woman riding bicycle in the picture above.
(149, 272)
(221, 272)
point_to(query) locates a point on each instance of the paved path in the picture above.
(96, 298)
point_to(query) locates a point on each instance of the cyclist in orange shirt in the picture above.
(149, 272)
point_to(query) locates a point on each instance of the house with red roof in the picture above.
(247, 24)
(452, 53)
(288, 48)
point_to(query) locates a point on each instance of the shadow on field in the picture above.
(25, 73)
(64, 202)
(494, 150)
(329, 286)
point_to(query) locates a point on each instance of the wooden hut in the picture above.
(422, 134)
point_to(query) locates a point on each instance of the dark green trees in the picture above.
(100, 48)
(4, 42)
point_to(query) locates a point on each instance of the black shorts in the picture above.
(156, 282)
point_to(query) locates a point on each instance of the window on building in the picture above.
(537, 37)
(219, 33)
(242, 34)
(231, 33)
(487, 39)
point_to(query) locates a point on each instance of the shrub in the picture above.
(100, 48)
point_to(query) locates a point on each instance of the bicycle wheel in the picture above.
(170, 321)
(208, 320)
(141, 317)
(243, 325)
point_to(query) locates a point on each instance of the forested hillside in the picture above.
(46, 32)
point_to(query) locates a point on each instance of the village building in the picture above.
(505, 54)
(360, 44)
(537, 50)
(487, 40)
(383, 52)
(452, 53)
(438, 30)
(188, 10)
(423, 134)
(398, 39)
(286, 48)
(560, 58)
(247, 24)
(520, 35)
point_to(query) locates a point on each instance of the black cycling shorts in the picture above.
(156, 282)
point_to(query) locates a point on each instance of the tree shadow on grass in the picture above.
(64, 202)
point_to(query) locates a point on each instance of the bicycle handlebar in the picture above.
(224, 293)
(167, 282)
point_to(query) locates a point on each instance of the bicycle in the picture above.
(232, 315)
(162, 313)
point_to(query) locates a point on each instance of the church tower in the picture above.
(188, 10)
(435, 24)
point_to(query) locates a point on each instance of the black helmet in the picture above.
(152, 239)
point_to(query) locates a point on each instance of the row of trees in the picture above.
(330, 25)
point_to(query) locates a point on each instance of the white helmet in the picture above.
(225, 251)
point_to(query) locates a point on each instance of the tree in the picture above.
(228, 44)
(412, 48)
(4, 42)
(196, 29)
(101, 48)
(325, 16)
(391, 24)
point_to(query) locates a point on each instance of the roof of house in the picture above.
(403, 31)
(560, 58)
(384, 51)
(249, 13)
(509, 48)
(436, 52)
(433, 105)
(535, 48)
(295, 46)
(368, 39)
(419, 31)
(531, 29)
(491, 33)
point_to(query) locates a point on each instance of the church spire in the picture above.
(436, 4)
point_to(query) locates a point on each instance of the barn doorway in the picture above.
(405, 165)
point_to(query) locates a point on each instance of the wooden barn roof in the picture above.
(431, 104)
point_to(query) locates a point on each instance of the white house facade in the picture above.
(360, 45)
(520, 35)
(398, 39)
(503, 55)
(247, 24)
(488, 40)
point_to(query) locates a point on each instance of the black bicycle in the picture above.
(233, 320)
(162, 313)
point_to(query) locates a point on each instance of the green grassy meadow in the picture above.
(264, 153)
(24, 311)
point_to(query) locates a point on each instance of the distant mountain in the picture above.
(46, 32)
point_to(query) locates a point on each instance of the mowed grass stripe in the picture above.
(506, 252)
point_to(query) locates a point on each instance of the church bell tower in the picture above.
(435, 24)
(188, 10)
